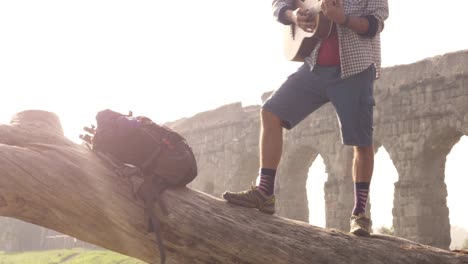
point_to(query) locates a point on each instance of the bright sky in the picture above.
(173, 59)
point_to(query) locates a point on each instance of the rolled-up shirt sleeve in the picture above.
(378, 9)
(280, 7)
(373, 26)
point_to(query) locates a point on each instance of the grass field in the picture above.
(69, 256)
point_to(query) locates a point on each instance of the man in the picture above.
(341, 70)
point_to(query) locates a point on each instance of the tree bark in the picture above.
(48, 180)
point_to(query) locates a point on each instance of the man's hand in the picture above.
(333, 9)
(305, 19)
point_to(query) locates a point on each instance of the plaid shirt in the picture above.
(357, 52)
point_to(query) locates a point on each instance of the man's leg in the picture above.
(363, 166)
(301, 94)
(271, 146)
(271, 140)
(354, 102)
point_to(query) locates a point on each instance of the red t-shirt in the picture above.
(329, 53)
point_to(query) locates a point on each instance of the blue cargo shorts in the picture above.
(305, 91)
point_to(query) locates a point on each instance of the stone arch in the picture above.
(245, 173)
(339, 188)
(214, 180)
(420, 193)
(205, 180)
(382, 184)
(290, 186)
(455, 177)
(231, 167)
(317, 177)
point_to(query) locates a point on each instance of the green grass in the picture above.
(70, 256)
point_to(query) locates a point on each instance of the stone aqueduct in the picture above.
(421, 112)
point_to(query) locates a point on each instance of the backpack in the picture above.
(158, 154)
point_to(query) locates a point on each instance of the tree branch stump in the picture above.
(50, 181)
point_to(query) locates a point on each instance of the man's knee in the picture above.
(364, 150)
(269, 118)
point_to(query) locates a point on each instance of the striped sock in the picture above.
(267, 181)
(361, 191)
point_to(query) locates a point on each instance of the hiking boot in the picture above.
(252, 198)
(360, 225)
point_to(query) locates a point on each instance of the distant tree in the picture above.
(16, 235)
(6, 233)
(386, 231)
(465, 244)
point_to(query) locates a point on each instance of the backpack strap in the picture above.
(145, 166)
(150, 192)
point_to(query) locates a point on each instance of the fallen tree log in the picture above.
(46, 179)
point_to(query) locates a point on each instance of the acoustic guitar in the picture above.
(298, 43)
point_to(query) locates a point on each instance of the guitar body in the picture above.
(298, 43)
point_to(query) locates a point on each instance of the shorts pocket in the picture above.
(368, 100)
